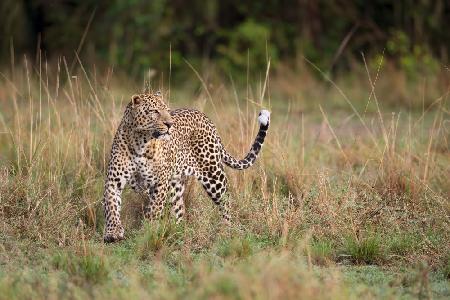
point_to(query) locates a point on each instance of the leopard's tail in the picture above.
(250, 158)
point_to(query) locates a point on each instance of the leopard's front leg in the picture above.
(157, 199)
(119, 172)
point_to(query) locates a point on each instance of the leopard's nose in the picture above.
(168, 124)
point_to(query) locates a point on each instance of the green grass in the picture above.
(402, 243)
(157, 238)
(365, 250)
(119, 272)
(90, 268)
(236, 248)
(322, 251)
(446, 268)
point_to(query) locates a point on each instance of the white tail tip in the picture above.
(264, 117)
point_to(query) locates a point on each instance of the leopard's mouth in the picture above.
(161, 135)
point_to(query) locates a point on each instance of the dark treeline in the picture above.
(134, 35)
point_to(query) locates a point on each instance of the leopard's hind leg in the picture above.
(215, 183)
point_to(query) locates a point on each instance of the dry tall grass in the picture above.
(357, 184)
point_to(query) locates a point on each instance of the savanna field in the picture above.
(349, 199)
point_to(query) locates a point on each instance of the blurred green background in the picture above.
(231, 36)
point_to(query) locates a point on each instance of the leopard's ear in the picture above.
(159, 96)
(136, 100)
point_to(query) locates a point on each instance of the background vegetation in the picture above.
(349, 199)
(137, 35)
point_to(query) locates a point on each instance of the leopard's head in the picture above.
(150, 115)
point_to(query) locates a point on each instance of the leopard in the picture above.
(155, 149)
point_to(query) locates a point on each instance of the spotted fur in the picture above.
(155, 149)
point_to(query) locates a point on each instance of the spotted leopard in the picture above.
(155, 149)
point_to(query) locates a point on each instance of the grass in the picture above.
(236, 248)
(446, 270)
(403, 243)
(158, 238)
(89, 268)
(348, 200)
(367, 250)
(322, 252)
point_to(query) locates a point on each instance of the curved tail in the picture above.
(250, 158)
